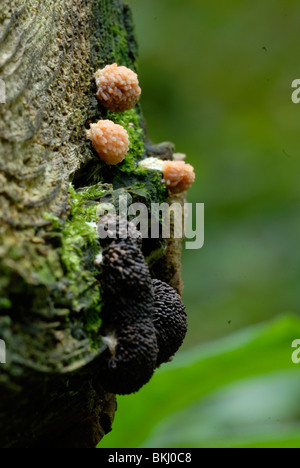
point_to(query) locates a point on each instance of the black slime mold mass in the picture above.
(169, 319)
(143, 320)
(133, 361)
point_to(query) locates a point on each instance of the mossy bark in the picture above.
(50, 295)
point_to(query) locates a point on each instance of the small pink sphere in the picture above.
(178, 176)
(110, 140)
(117, 88)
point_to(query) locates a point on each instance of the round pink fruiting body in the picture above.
(117, 88)
(178, 176)
(110, 141)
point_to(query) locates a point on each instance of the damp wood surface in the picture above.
(50, 305)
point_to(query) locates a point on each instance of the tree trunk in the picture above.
(50, 296)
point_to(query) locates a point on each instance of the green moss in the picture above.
(131, 121)
(77, 233)
(152, 184)
(55, 221)
(79, 246)
(129, 174)
(120, 46)
(113, 37)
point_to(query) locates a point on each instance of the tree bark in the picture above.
(50, 296)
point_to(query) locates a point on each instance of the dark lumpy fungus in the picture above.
(143, 320)
(124, 269)
(126, 281)
(169, 319)
(131, 361)
(111, 227)
(127, 325)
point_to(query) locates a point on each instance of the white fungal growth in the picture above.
(153, 164)
(98, 259)
(111, 342)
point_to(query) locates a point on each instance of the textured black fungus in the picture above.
(143, 320)
(117, 228)
(124, 269)
(169, 319)
(132, 364)
(127, 325)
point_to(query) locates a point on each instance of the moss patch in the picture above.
(79, 247)
(115, 42)
(131, 121)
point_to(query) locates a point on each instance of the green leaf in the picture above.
(162, 412)
(259, 411)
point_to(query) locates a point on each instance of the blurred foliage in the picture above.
(216, 80)
(242, 390)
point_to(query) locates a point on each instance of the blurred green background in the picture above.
(216, 80)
